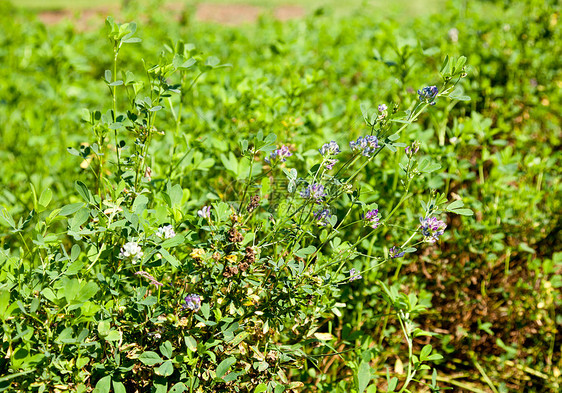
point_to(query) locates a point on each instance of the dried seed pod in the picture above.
(234, 236)
(250, 256)
(230, 271)
(254, 203)
(243, 266)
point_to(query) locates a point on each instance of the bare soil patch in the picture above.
(232, 14)
(226, 14)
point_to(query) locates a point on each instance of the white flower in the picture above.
(166, 232)
(131, 250)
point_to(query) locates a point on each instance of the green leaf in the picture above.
(87, 291)
(104, 327)
(103, 385)
(45, 197)
(363, 376)
(525, 247)
(170, 258)
(150, 358)
(74, 252)
(4, 302)
(67, 210)
(113, 335)
(178, 388)
(303, 252)
(83, 191)
(118, 387)
(426, 350)
(166, 369)
(223, 367)
(6, 218)
(205, 310)
(455, 204)
(262, 387)
(392, 384)
(190, 343)
(166, 349)
(238, 339)
(173, 242)
(212, 61)
(459, 97)
(463, 212)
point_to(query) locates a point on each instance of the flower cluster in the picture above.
(132, 251)
(354, 275)
(279, 155)
(330, 149)
(322, 217)
(395, 252)
(166, 232)
(413, 149)
(382, 108)
(366, 145)
(150, 278)
(372, 218)
(314, 191)
(192, 302)
(432, 228)
(205, 212)
(428, 94)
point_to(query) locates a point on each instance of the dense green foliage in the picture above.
(196, 109)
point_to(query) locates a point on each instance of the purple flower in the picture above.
(432, 228)
(152, 280)
(372, 218)
(192, 302)
(411, 150)
(353, 275)
(279, 155)
(330, 149)
(366, 145)
(330, 162)
(395, 252)
(428, 94)
(314, 191)
(205, 212)
(322, 217)
(382, 108)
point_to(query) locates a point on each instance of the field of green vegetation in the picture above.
(359, 203)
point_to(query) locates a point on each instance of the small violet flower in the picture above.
(205, 212)
(372, 218)
(166, 232)
(330, 162)
(428, 94)
(152, 280)
(413, 149)
(432, 228)
(132, 251)
(322, 217)
(192, 302)
(314, 191)
(382, 108)
(353, 275)
(280, 154)
(330, 149)
(366, 145)
(395, 252)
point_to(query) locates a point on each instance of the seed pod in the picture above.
(254, 203)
